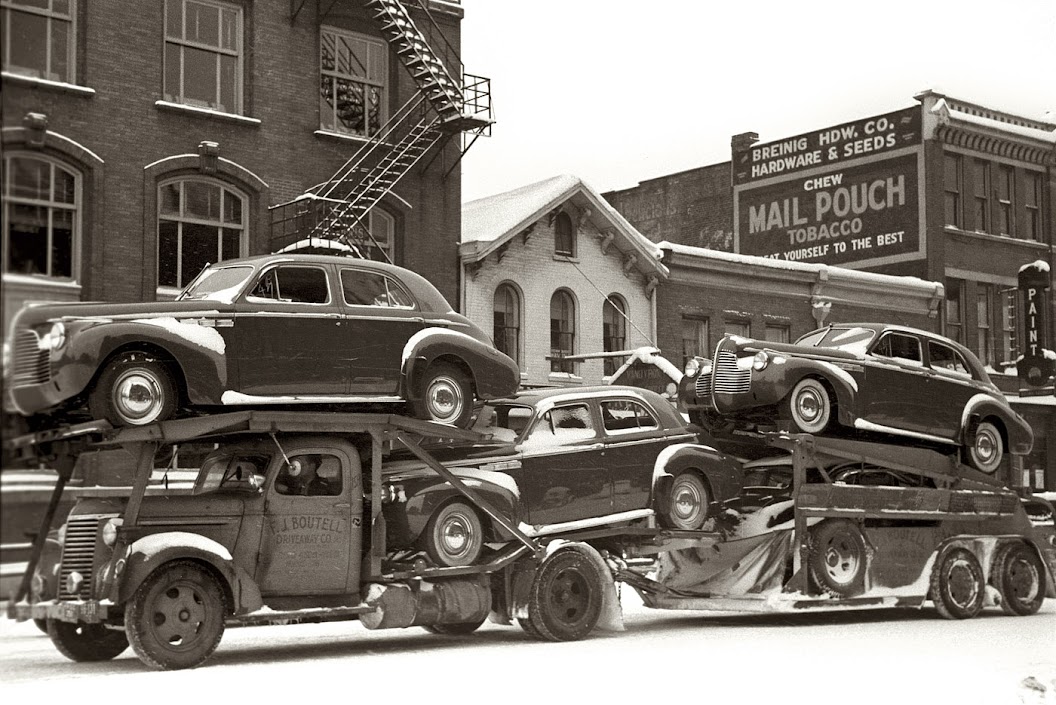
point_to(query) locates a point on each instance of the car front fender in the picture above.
(723, 475)
(493, 373)
(1020, 435)
(426, 499)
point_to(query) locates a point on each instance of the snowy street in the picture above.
(883, 656)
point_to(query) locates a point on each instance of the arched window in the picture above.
(507, 329)
(613, 330)
(564, 235)
(562, 331)
(41, 204)
(200, 222)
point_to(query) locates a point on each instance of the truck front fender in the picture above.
(149, 553)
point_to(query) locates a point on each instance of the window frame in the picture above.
(954, 329)
(51, 16)
(183, 44)
(390, 283)
(953, 193)
(702, 330)
(1032, 202)
(558, 365)
(903, 360)
(617, 304)
(560, 236)
(384, 84)
(250, 298)
(77, 209)
(638, 428)
(511, 294)
(957, 374)
(981, 194)
(1005, 214)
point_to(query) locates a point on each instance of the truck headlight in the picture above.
(760, 361)
(110, 531)
(692, 367)
(55, 338)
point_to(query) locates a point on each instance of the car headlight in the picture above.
(692, 367)
(110, 531)
(55, 338)
(760, 361)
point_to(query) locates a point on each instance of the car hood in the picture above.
(37, 314)
(160, 503)
(738, 344)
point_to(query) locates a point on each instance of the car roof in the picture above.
(534, 397)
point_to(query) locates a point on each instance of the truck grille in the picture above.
(30, 363)
(78, 554)
(728, 378)
(703, 385)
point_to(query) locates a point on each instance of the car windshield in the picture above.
(503, 422)
(231, 472)
(220, 284)
(850, 339)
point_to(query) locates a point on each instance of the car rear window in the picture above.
(363, 288)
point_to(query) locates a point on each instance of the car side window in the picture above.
(626, 416)
(904, 348)
(293, 284)
(363, 288)
(946, 359)
(561, 425)
(310, 475)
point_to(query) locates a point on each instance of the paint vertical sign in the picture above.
(1036, 365)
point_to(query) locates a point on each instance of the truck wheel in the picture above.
(134, 390)
(454, 535)
(1019, 577)
(686, 504)
(809, 406)
(41, 624)
(530, 630)
(446, 396)
(837, 557)
(176, 617)
(458, 629)
(564, 603)
(987, 450)
(958, 585)
(86, 642)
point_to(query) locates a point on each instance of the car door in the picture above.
(896, 391)
(289, 334)
(306, 544)
(382, 316)
(563, 476)
(950, 387)
(633, 440)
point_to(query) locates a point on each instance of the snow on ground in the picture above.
(885, 656)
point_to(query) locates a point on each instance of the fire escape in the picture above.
(448, 103)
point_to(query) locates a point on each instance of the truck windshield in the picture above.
(231, 472)
(220, 284)
(503, 422)
(851, 339)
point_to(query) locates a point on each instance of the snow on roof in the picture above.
(841, 273)
(1040, 265)
(492, 220)
(944, 108)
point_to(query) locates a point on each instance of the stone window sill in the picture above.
(71, 88)
(206, 112)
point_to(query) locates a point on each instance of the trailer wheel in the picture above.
(454, 535)
(686, 504)
(86, 642)
(134, 390)
(809, 406)
(958, 585)
(446, 396)
(1019, 577)
(564, 603)
(458, 629)
(176, 617)
(837, 557)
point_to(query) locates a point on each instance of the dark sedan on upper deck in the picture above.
(268, 330)
(557, 461)
(867, 376)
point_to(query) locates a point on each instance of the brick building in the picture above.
(142, 140)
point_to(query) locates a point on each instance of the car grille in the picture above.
(728, 378)
(30, 363)
(78, 554)
(703, 385)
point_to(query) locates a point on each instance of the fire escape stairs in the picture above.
(442, 108)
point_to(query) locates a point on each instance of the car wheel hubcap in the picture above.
(456, 535)
(842, 560)
(962, 584)
(687, 501)
(985, 447)
(809, 405)
(178, 615)
(138, 396)
(445, 400)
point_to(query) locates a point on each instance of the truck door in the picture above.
(308, 533)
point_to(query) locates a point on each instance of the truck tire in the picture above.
(86, 642)
(454, 535)
(564, 603)
(809, 406)
(958, 585)
(530, 630)
(1019, 577)
(685, 505)
(133, 390)
(176, 617)
(837, 557)
(445, 396)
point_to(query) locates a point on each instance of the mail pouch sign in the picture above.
(844, 194)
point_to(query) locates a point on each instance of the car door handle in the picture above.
(343, 505)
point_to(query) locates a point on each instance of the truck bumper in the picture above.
(89, 612)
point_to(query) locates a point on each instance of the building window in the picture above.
(38, 38)
(1003, 208)
(1008, 344)
(354, 75)
(981, 193)
(382, 228)
(777, 333)
(983, 317)
(203, 54)
(952, 182)
(695, 339)
(1032, 202)
(738, 327)
(507, 322)
(564, 235)
(562, 331)
(954, 323)
(613, 331)
(199, 223)
(41, 203)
